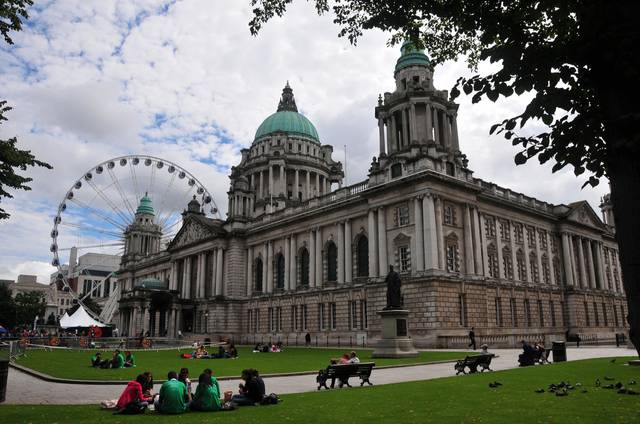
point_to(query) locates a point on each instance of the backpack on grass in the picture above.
(270, 399)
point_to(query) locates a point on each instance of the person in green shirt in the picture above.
(207, 397)
(130, 360)
(118, 360)
(173, 396)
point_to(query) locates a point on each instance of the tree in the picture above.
(7, 307)
(28, 306)
(579, 59)
(12, 12)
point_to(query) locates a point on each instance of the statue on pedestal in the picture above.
(394, 297)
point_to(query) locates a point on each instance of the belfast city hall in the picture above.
(301, 253)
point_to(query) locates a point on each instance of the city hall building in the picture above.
(299, 252)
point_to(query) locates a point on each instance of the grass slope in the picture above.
(75, 364)
(465, 399)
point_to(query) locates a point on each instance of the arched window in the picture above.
(533, 264)
(304, 266)
(258, 275)
(452, 253)
(507, 262)
(332, 262)
(492, 256)
(280, 271)
(362, 257)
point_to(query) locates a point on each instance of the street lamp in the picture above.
(206, 321)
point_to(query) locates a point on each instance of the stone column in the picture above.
(412, 123)
(133, 325)
(439, 237)
(261, 187)
(485, 257)
(468, 243)
(405, 127)
(187, 281)
(270, 267)
(574, 265)
(429, 113)
(296, 189)
(287, 256)
(293, 275)
(318, 257)
(502, 272)
(373, 243)
(590, 265)
(436, 126)
(202, 269)
(317, 185)
(173, 278)
(283, 180)
(552, 276)
(308, 189)
(382, 243)
(527, 251)
(219, 274)
(381, 136)
(146, 319)
(312, 258)
(601, 283)
(514, 257)
(389, 137)
(566, 259)
(249, 271)
(271, 180)
(430, 232)
(539, 256)
(348, 267)
(445, 129)
(455, 143)
(418, 233)
(582, 265)
(619, 287)
(214, 271)
(340, 253)
(171, 325)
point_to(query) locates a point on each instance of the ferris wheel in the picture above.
(99, 206)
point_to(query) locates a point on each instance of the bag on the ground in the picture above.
(270, 399)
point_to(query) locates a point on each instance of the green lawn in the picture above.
(464, 399)
(76, 364)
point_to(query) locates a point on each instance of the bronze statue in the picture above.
(394, 298)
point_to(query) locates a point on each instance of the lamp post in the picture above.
(206, 321)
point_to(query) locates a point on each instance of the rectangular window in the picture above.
(498, 312)
(552, 308)
(505, 231)
(449, 215)
(596, 315)
(527, 312)
(517, 232)
(304, 317)
(615, 315)
(453, 263)
(364, 320)
(278, 319)
(604, 314)
(405, 259)
(490, 227)
(294, 318)
(586, 314)
(462, 309)
(353, 315)
(272, 323)
(540, 313)
(257, 320)
(334, 316)
(531, 237)
(321, 316)
(248, 320)
(514, 312)
(403, 215)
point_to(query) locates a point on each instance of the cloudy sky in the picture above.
(184, 80)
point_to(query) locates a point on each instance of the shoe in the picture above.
(539, 390)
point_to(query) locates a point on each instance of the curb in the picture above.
(52, 379)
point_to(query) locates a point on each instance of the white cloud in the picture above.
(186, 81)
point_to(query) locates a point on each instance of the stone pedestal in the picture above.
(395, 341)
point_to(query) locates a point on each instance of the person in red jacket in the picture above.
(132, 400)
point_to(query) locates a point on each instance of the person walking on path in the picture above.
(472, 339)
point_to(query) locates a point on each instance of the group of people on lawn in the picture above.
(118, 360)
(224, 352)
(176, 395)
(268, 348)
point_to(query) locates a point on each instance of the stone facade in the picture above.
(300, 253)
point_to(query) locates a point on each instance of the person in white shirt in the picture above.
(354, 358)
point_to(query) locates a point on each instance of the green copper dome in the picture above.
(287, 119)
(145, 206)
(411, 56)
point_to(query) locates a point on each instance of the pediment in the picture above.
(584, 214)
(191, 232)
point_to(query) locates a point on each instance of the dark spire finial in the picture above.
(287, 101)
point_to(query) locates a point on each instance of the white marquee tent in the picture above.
(79, 319)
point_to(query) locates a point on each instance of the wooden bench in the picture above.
(473, 362)
(343, 372)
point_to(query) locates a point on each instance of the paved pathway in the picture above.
(25, 389)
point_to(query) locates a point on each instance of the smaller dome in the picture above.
(411, 56)
(145, 206)
(287, 122)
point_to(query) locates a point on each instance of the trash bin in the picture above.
(559, 351)
(4, 373)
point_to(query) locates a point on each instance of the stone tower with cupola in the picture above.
(285, 166)
(142, 237)
(417, 124)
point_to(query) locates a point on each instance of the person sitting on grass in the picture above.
(232, 352)
(207, 397)
(344, 359)
(353, 358)
(173, 395)
(252, 391)
(96, 360)
(184, 378)
(130, 360)
(528, 355)
(214, 380)
(133, 400)
(147, 387)
(484, 350)
(118, 359)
